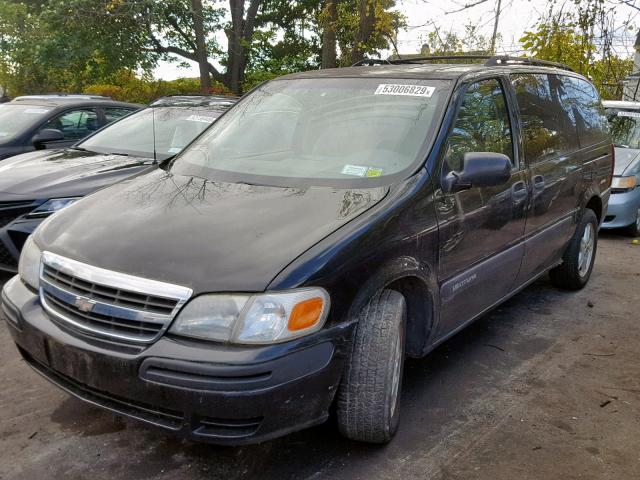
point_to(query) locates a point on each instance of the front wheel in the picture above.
(369, 396)
(580, 255)
(633, 230)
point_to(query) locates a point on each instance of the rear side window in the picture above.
(590, 115)
(113, 114)
(548, 127)
(482, 124)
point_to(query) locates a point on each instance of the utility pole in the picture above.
(495, 27)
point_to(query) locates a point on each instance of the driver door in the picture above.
(482, 228)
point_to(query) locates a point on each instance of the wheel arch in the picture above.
(594, 203)
(417, 285)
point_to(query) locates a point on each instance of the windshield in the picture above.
(134, 135)
(323, 131)
(15, 118)
(625, 127)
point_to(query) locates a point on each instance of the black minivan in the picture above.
(326, 226)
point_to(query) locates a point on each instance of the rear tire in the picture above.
(369, 397)
(580, 255)
(633, 230)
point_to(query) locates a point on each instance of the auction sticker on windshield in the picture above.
(623, 113)
(409, 90)
(200, 118)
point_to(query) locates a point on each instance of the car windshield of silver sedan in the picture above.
(324, 131)
(625, 127)
(155, 132)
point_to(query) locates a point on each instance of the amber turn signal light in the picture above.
(305, 314)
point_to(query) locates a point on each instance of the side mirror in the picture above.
(480, 169)
(47, 135)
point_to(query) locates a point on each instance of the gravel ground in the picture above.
(547, 386)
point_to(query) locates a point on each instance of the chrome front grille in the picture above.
(108, 304)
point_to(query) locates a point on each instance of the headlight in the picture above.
(52, 206)
(624, 183)
(29, 266)
(254, 319)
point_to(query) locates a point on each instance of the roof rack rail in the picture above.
(489, 60)
(370, 62)
(506, 59)
(437, 58)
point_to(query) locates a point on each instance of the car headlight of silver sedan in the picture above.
(29, 266)
(254, 319)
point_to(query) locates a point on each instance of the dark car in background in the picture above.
(35, 185)
(624, 205)
(329, 224)
(38, 122)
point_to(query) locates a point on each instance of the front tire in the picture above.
(580, 255)
(633, 230)
(369, 397)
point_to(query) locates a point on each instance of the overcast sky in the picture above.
(517, 16)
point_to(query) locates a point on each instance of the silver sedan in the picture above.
(624, 204)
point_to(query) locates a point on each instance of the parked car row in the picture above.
(289, 258)
(37, 184)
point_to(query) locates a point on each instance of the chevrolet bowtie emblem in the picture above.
(84, 304)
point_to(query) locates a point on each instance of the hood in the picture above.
(209, 236)
(624, 158)
(64, 173)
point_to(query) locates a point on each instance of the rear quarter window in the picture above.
(548, 127)
(591, 119)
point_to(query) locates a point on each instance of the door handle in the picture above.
(519, 191)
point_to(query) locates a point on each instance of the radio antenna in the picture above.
(153, 117)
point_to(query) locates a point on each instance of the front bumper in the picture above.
(210, 392)
(622, 209)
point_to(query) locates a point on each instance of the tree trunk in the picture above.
(235, 48)
(367, 13)
(239, 36)
(201, 46)
(329, 53)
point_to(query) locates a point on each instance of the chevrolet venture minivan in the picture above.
(325, 227)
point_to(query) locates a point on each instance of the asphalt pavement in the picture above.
(546, 386)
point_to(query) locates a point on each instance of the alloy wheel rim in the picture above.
(395, 376)
(585, 255)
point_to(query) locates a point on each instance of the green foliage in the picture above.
(127, 87)
(563, 40)
(387, 23)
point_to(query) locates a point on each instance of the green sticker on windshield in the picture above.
(374, 172)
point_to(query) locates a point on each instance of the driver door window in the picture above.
(482, 124)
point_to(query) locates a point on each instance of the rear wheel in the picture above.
(368, 400)
(634, 229)
(578, 259)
